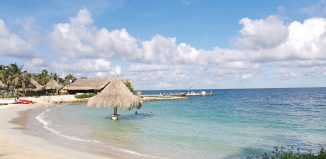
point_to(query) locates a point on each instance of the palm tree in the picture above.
(4, 74)
(16, 77)
(54, 76)
(69, 79)
(44, 77)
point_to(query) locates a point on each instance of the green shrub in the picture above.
(128, 84)
(86, 95)
(282, 153)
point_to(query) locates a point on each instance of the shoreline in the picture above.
(16, 143)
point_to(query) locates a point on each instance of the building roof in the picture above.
(88, 84)
(32, 84)
(53, 84)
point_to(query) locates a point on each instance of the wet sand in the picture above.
(15, 143)
(21, 120)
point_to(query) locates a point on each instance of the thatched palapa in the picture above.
(53, 85)
(87, 85)
(33, 85)
(115, 95)
(38, 87)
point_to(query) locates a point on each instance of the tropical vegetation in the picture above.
(86, 95)
(128, 84)
(15, 77)
(292, 153)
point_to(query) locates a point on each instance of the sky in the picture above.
(171, 44)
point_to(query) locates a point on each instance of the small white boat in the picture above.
(202, 93)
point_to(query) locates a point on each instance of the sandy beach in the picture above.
(15, 144)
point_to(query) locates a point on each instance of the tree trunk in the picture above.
(23, 87)
(115, 111)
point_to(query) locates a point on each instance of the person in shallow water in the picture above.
(136, 113)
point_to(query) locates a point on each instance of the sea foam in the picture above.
(46, 124)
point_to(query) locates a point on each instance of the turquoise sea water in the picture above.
(230, 124)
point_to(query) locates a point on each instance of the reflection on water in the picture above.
(138, 116)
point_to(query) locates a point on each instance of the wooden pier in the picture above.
(151, 98)
(171, 96)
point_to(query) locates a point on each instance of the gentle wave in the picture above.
(133, 152)
(41, 119)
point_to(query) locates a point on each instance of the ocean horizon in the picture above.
(209, 89)
(233, 123)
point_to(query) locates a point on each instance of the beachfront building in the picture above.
(53, 87)
(92, 85)
(87, 85)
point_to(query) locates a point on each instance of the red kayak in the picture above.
(24, 101)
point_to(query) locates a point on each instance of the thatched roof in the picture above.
(2, 85)
(115, 95)
(34, 85)
(31, 85)
(53, 84)
(88, 84)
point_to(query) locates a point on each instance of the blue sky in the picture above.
(171, 44)
(201, 23)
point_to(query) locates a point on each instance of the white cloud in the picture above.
(85, 49)
(303, 41)
(317, 9)
(147, 67)
(246, 76)
(29, 31)
(306, 40)
(87, 66)
(12, 45)
(261, 33)
(80, 38)
(285, 73)
(165, 50)
(260, 41)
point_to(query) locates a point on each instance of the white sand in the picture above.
(15, 144)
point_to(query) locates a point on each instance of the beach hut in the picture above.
(53, 86)
(115, 95)
(32, 87)
(87, 85)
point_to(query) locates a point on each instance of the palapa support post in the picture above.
(115, 115)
